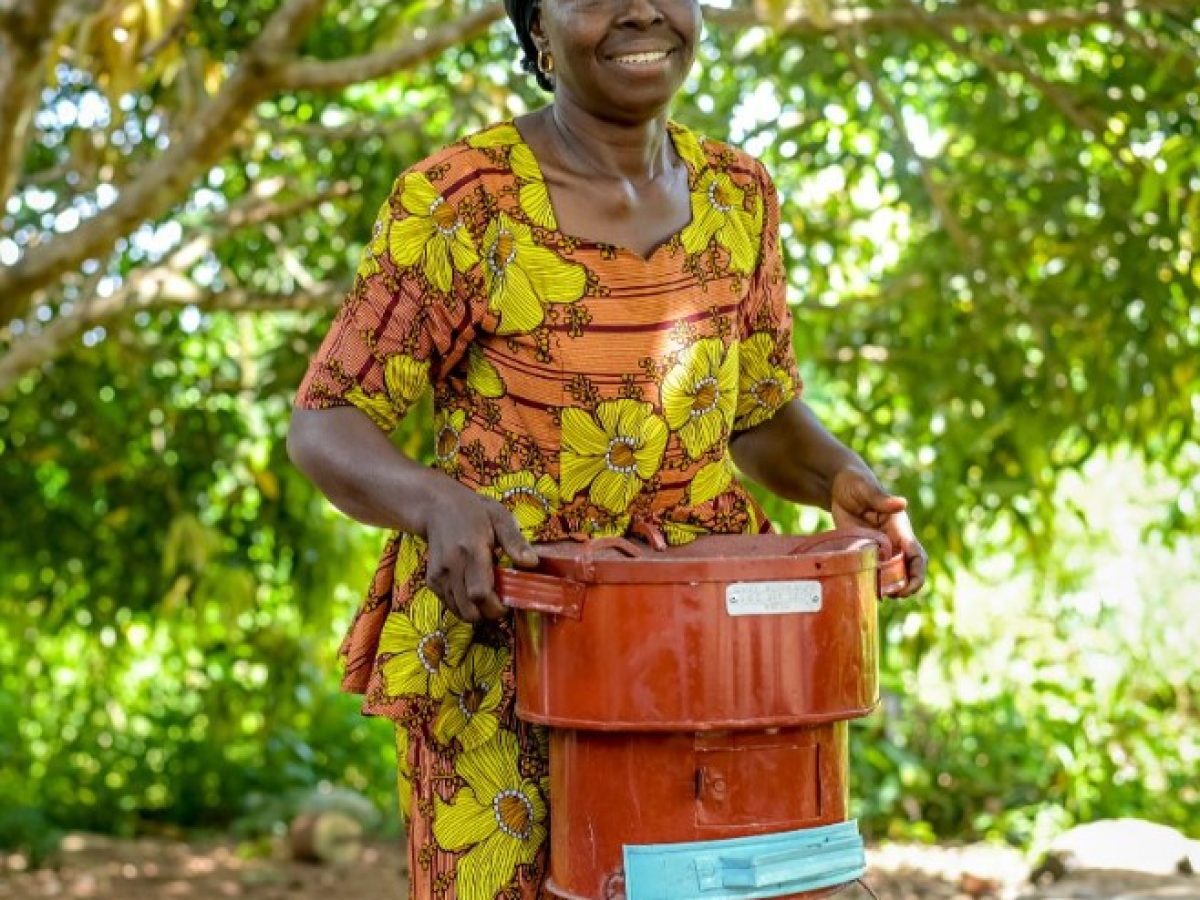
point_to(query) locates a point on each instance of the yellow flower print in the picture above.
(533, 195)
(448, 427)
(377, 406)
(616, 452)
(762, 386)
(522, 277)
(718, 210)
(369, 266)
(482, 377)
(710, 481)
(428, 642)
(433, 234)
(680, 533)
(616, 526)
(404, 379)
(700, 392)
(530, 499)
(403, 773)
(468, 711)
(687, 145)
(500, 815)
(408, 557)
(754, 520)
(498, 136)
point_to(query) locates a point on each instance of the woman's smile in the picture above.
(643, 62)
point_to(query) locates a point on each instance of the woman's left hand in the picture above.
(859, 501)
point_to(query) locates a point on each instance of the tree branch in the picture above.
(258, 206)
(1056, 93)
(142, 289)
(270, 64)
(326, 75)
(1182, 59)
(169, 281)
(320, 295)
(74, 11)
(355, 130)
(25, 37)
(946, 214)
(978, 19)
(169, 176)
(309, 74)
(172, 33)
(157, 287)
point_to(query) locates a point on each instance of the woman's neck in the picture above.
(637, 152)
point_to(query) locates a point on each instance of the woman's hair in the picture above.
(522, 13)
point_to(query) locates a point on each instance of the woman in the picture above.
(596, 296)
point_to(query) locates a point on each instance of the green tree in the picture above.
(991, 224)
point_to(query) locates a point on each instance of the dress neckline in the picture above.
(687, 148)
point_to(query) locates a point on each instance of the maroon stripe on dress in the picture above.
(660, 326)
(541, 372)
(529, 403)
(472, 175)
(384, 321)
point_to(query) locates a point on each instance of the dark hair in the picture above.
(522, 13)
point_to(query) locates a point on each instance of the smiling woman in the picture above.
(595, 295)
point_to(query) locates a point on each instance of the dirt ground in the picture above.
(105, 869)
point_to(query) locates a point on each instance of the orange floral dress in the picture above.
(584, 386)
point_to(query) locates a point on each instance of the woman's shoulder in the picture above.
(718, 155)
(472, 162)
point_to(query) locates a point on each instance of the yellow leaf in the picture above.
(778, 13)
(155, 21)
(818, 12)
(268, 483)
(214, 74)
(773, 12)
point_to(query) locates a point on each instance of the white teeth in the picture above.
(643, 57)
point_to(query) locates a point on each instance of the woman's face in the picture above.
(620, 59)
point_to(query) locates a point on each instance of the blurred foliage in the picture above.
(1055, 697)
(991, 293)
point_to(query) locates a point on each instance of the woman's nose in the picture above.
(640, 13)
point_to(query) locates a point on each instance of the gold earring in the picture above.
(545, 62)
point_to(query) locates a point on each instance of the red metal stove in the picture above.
(695, 695)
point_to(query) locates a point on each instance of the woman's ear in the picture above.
(537, 33)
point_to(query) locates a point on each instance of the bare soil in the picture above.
(107, 869)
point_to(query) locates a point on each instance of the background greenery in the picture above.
(992, 223)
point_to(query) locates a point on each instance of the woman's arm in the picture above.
(352, 462)
(794, 456)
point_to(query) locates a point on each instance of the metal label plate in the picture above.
(768, 598)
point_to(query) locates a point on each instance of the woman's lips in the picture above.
(641, 59)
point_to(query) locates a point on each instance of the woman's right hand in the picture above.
(463, 531)
(364, 475)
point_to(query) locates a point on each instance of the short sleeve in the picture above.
(413, 309)
(767, 375)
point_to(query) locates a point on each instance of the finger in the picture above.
(457, 588)
(858, 516)
(511, 540)
(886, 504)
(899, 528)
(916, 562)
(866, 493)
(437, 580)
(468, 610)
(479, 583)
